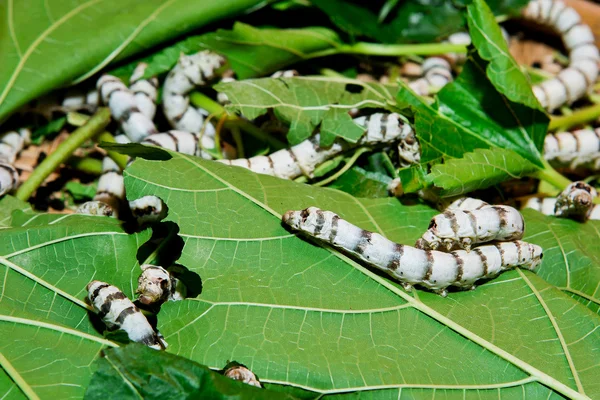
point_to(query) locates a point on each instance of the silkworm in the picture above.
(241, 373)
(118, 312)
(145, 91)
(157, 285)
(179, 141)
(191, 71)
(303, 158)
(573, 82)
(124, 109)
(148, 209)
(290, 73)
(111, 187)
(463, 203)
(437, 73)
(78, 99)
(11, 144)
(431, 269)
(576, 149)
(460, 229)
(95, 207)
(576, 201)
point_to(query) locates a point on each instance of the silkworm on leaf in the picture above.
(463, 203)
(460, 229)
(148, 209)
(11, 144)
(156, 285)
(547, 205)
(95, 207)
(431, 269)
(145, 91)
(577, 149)
(118, 312)
(179, 141)
(576, 201)
(239, 372)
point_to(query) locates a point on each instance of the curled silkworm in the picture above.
(118, 312)
(123, 107)
(148, 209)
(459, 229)
(303, 158)
(576, 149)
(576, 201)
(191, 71)
(432, 269)
(144, 90)
(157, 285)
(241, 373)
(11, 143)
(179, 141)
(573, 82)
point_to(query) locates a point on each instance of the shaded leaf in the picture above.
(305, 102)
(48, 130)
(361, 183)
(8, 204)
(81, 192)
(477, 170)
(136, 371)
(49, 44)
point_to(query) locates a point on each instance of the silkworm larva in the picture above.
(11, 143)
(123, 107)
(290, 73)
(148, 209)
(303, 158)
(179, 141)
(547, 205)
(111, 187)
(9, 178)
(157, 285)
(191, 71)
(573, 82)
(456, 229)
(576, 201)
(576, 149)
(144, 90)
(437, 73)
(463, 203)
(431, 269)
(95, 207)
(241, 373)
(118, 312)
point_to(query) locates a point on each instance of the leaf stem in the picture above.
(579, 117)
(94, 126)
(120, 159)
(551, 176)
(345, 168)
(17, 378)
(239, 142)
(88, 165)
(202, 101)
(391, 50)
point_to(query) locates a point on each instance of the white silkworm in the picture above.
(576, 149)
(573, 82)
(123, 107)
(464, 203)
(303, 158)
(290, 73)
(157, 285)
(191, 71)
(460, 229)
(148, 209)
(576, 201)
(118, 312)
(145, 91)
(437, 73)
(77, 99)
(111, 187)
(180, 141)
(241, 373)
(222, 97)
(11, 143)
(431, 269)
(95, 207)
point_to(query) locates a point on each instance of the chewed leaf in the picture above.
(306, 102)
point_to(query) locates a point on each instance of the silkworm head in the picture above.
(537, 254)
(153, 285)
(293, 219)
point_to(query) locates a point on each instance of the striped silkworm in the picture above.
(123, 107)
(576, 201)
(463, 203)
(431, 269)
(303, 158)
(95, 207)
(148, 209)
(79, 99)
(118, 312)
(180, 141)
(11, 144)
(576, 149)
(145, 91)
(190, 72)
(157, 285)
(573, 82)
(437, 73)
(111, 187)
(547, 205)
(461, 229)
(239, 372)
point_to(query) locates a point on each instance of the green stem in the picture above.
(551, 176)
(331, 73)
(579, 117)
(94, 126)
(392, 50)
(120, 159)
(345, 168)
(88, 165)
(201, 100)
(239, 142)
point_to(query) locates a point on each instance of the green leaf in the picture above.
(47, 130)
(305, 102)
(8, 204)
(136, 371)
(473, 110)
(252, 52)
(50, 44)
(502, 70)
(477, 170)
(303, 315)
(361, 183)
(411, 21)
(81, 192)
(49, 340)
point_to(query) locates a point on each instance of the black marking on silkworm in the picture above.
(394, 264)
(383, 124)
(429, 267)
(96, 292)
(334, 228)
(175, 140)
(105, 309)
(459, 267)
(501, 251)
(125, 313)
(484, 261)
(363, 242)
(320, 222)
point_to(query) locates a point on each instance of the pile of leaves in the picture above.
(307, 320)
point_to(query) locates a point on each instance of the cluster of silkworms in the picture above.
(156, 285)
(433, 269)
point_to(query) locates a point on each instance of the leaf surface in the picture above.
(52, 43)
